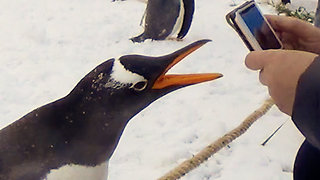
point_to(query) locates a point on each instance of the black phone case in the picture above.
(230, 19)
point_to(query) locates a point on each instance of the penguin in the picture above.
(75, 136)
(285, 1)
(165, 19)
(143, 1)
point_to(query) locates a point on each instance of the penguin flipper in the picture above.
(187, 19)
(138, 39)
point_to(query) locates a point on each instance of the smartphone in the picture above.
(253, 27)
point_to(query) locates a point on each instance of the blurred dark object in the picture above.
(285, 1)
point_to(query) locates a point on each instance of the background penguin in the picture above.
(78, 133)
(166, 18)
(285, 1)
(144, 1)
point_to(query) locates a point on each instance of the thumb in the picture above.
(255, 60)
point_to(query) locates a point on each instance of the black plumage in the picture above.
(84, 127)
(166, 18)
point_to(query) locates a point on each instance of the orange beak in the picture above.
(165, 80)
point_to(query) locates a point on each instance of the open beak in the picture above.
(166, 80)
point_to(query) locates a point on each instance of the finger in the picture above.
(255, 60)
(282, 23)
(288, 46)
(287, 24)
(288, 41)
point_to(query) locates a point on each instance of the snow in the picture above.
(48, 46)
(76, 172)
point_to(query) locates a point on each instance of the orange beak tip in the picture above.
(218, 75)
(213, 76)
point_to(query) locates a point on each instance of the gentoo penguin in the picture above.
(144, 1)
(165, 19)
(285, 1)
(74, 137)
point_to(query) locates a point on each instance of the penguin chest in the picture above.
(179, 21)
(78, 172)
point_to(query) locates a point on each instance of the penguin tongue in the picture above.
(164, 80)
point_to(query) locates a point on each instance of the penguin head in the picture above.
(130, 83)
(153, 71)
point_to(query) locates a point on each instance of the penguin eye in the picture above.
(139, 86)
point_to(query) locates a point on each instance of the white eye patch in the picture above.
(123, 77)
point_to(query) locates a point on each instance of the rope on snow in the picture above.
(192, 163)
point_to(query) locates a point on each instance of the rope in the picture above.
(211, 149)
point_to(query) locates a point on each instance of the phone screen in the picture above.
(259, 28)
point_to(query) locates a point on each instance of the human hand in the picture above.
(280, 71)
(296, 34)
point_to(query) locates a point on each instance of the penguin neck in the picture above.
(98, 122)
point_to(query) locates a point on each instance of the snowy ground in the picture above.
(48, 46)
